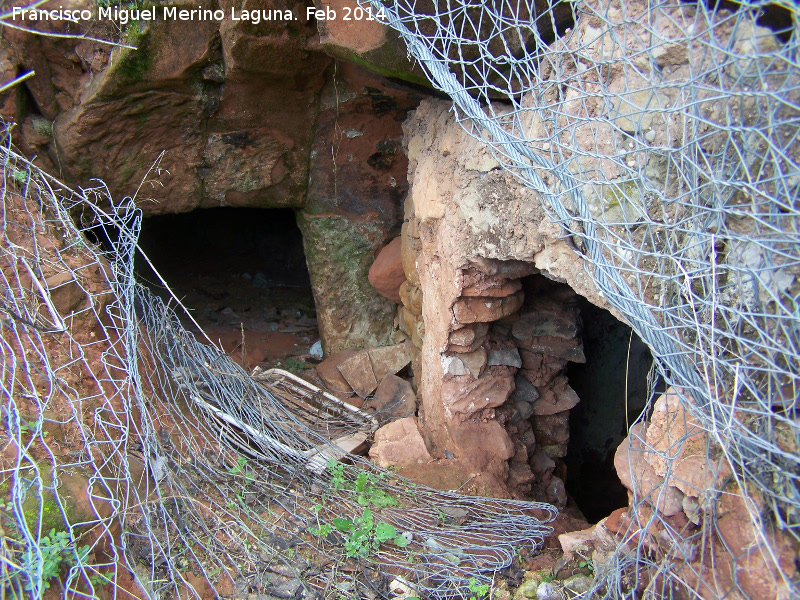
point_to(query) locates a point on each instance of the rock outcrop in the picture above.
(246, 115)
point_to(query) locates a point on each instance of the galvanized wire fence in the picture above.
(663, 137)
(139, 462)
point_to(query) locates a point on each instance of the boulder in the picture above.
(476, 283)
(557, 323)
(399, 444)
(347, 32)
(538, 368)
(470, 363)
(388, 360)
(351, 206)
(357, 370)
(508, 357)
(386, 273)
(682, 447)
(464, 396)
(412, 325)
(469, 338)
(551, 429)
(639, 477)
(328, 371)
(568, 349)
(573, 541)
(524, 390)
(411, 296)
(393, 399)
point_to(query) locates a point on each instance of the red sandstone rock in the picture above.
(555, 322)
(551, 429)
(357, 370)
(394, 399)
(399, 444)
(539, 369)
(520, 475)
(757, 573)
(485, 445)
(683, 447)
(412, 325)
(464, 396)
(411, 297)
(569, 349)
(639, 477)
(573, 541)
(485, 310)
(555, 398)
(478, 284)
(470, 363)
(388, 360)
(410, 249)
(328, 371)
(66, 293)
(468, 338)
(386, 273)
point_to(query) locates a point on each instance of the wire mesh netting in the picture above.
(139, 462)
(663, 137)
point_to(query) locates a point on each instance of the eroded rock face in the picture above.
(354, 203)
(232, 106)
(346, 31)
(246, 115)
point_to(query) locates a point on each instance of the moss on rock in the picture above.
(339, 252)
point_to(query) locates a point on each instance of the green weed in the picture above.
(365, 534)
(477, 590)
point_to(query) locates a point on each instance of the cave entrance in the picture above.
(596, 354)
(242, 273)
(613, 387)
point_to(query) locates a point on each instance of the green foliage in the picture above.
(294, 365)
(364, 534)
(56, 551)
(366, 486)
(477, 590)
(338, 481)
(242, 467)
(586, 564)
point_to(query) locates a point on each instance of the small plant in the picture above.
(477, 590)
(587, 564)
(320, 529)
(365, 534)
(242, 467)
(56, 549)
(366, 486)
(295, 366)
(338, 481)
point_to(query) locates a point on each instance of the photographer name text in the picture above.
(171, 13)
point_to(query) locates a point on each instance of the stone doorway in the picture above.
(242, 273)
(600, 421)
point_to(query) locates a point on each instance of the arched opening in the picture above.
(242, 273)
(590, 372)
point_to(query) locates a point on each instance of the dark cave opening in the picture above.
(599, 422)
(591, 378)
(242, 274)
